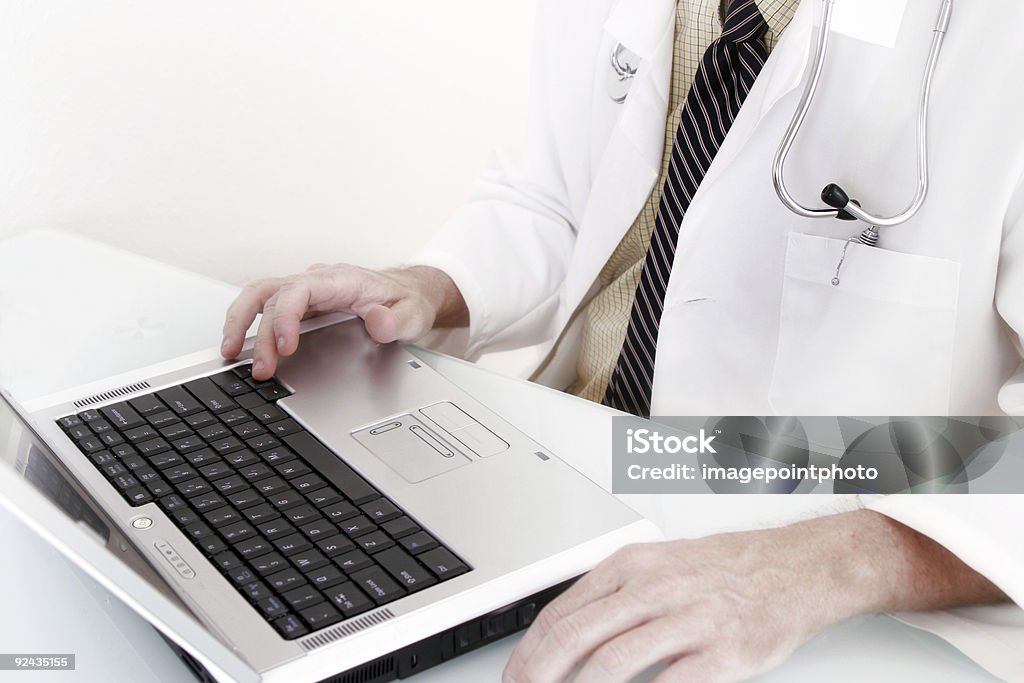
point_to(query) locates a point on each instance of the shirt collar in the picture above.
(777, 14)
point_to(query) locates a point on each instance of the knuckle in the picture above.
(611, 659)
(566, 634)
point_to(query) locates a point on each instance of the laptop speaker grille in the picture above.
(346, 629)
(112, 394)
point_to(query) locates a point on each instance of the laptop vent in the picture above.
(347, 629)
(378, 671)
(112, 394)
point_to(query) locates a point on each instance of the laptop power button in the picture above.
(174, 559)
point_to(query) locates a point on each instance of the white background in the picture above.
(247, 138)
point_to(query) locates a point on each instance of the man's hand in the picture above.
(399, 305)
(727, 607)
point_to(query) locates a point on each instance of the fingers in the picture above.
(573, 638)
(600, 583)
(405, 320)
(624, 657)
(290, 305)
(264, 349)
(242, 312)
(693, 668)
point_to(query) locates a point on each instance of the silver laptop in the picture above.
(356, 518)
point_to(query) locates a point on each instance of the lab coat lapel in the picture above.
(632, 155)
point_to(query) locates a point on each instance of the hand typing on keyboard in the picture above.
(395, 305)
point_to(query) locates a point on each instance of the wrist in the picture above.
(440, 293)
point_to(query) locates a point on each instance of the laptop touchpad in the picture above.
(411, 448)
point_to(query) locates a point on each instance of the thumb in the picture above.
(405, 320)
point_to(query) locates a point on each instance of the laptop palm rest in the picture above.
(411, 448)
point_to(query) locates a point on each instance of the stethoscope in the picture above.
(841, 206)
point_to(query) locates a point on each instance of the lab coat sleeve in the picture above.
(983, 530)
(508, 248)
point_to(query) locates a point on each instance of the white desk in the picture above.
(60, 610)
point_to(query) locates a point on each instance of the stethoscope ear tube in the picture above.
(833, 195)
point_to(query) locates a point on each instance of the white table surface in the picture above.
(52, 607)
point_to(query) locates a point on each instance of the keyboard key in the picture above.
(100, 426)
(249, 401)
(241, 458)
(207, 501)
(272, 391)
(137, 495)
(227, 561)
(152, 447)
(404, 569)
(303, 596)
(69, 421)
(210, 395)
(180, 401)
(271, 486)
(353, 486)
(256, 471)
(200, 420)
(229, 484)
(263, 512)
(174, 431)
(166, 459)
(228, 445)
(245, 499)
(146, 475)
(443, 563)
(243, 371)
(215, 431)
(223, 516)
(288, 498)
(292, 469)
(173, 502)
(285, 580)
(336, 545)
(290, 626)
(193, 487)
(247, 429)
(212, 545)
(277, 456)
(291, 544)
(309, 559)
(234, 417)
(134, 461)
(204, 456)
(374, 542)
(267, 413)
(217, 470)
(147, 405)
(418, 542)
(125, 481)
(89, 415)
(101, 458)
(303, 514)
(177, 473)
(379, 586)
(185, 516)
(276, 528)
(269, 563)
(111, 438)
(349, 599)
(308, 482)
(122, 416)
(353, 562)
(159, 487)
(272, 606)
(324, 497)
(380, 510)
(114, 469)
(283, 427)
(324, 577)
(239, 531)
(253, 547)
(197, 531)
(357, 526)
(91, 444)
(123, 450)
(340, 511)
(188, 444)
(319, 529)
(321, 615)
(163, 419)
(81, 431)
(262, 442)
(230, 383)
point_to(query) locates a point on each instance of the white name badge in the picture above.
(873, 21)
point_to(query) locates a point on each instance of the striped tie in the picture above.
(725, 75)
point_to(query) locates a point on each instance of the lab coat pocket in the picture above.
(878, 343)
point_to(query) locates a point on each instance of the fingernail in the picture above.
(258, 366)
(280, 343)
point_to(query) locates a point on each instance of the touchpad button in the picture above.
(410, 448)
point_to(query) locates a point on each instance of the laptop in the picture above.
(358, 518)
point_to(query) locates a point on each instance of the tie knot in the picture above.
(743, 22)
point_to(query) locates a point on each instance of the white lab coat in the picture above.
(929, 324)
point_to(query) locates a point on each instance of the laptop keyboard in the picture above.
(305, 539)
